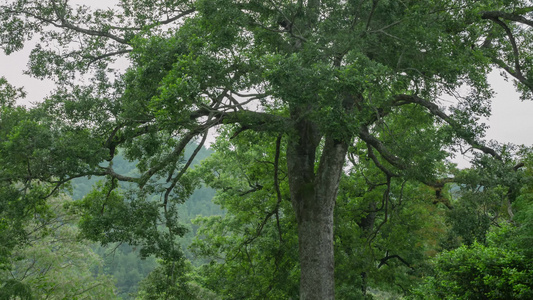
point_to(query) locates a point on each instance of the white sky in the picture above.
(511, 120)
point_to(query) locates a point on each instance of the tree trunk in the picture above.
(313, 198)
(315, 240)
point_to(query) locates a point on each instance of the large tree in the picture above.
(322, 75)
(383, 230)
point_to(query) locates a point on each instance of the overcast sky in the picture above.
(511, 120)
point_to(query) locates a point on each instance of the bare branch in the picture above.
(94, 59)
(384, 204)
(387, 257)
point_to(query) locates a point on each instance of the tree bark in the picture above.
(313, 196)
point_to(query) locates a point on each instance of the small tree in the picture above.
(481, 272)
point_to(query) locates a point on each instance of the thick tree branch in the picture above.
(516, 52)
(378, 164)
(109, 171)
(516, 72)
(518, 166)
(158, 23)
(257, 121)
(248, 119)
(507, 16)
(64, 23)
(436, 111)
(61, 21)
(518, 76)
(276, 169)
(172, 19)
(365, 135)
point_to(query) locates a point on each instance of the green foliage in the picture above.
(384, 246)
(173, 281)
(9, 94)
(11, 288)
(54, 263)
(122, 263)
(485, 196)
(493, 271)
(110, 214)
(523, 207)
(22, 135)
(109, 217)
(251, 251)
(294, 84)
(495, 263)
(245, 257)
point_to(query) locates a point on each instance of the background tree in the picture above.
(53, 263)
(173, 281)
(487, 250)
(497, 270)
(10, 218)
